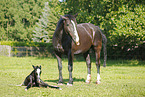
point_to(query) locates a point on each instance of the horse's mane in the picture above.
(59, 25)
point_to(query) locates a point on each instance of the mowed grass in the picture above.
(124, 78)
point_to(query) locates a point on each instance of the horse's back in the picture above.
(88, 35)
(91, 30)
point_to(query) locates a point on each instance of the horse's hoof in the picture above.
(25, 89)
(98, 82)
(60, 88)
(68, 84)
(88, 82)
(60, 83)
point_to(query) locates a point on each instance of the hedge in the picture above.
(28, 44)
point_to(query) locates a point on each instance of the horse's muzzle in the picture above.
(78, 43)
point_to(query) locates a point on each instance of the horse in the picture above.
(33, 79)
(71, 38)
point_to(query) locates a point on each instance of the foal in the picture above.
(33, 79)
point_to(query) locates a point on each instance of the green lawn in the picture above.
(124, 78)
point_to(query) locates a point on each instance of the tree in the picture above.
(47, 23)
(18, 17)
(40, 33)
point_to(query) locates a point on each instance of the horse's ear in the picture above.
(76, 15)
(40, 66)
(63, 17)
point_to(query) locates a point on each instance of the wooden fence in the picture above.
(21, 51)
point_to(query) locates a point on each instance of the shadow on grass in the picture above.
(110, 62)
(125, 63)
(65, 81)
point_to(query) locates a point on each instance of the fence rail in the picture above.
(21, 51)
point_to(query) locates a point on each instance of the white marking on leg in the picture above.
(98, 78)
(69, 84)
(88, 78)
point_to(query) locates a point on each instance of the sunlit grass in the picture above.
(120, 78)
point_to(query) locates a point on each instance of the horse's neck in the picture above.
(57, 39)
(58, 33)
(33, 74)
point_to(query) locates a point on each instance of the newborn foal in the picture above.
(33, 79)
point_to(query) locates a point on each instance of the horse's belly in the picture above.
(82, 48)
(78, 52)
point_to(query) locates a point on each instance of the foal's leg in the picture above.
(42, 84)
(88, 62)
(97, 53)
(58, 56)
(70, 67)
(30, 84)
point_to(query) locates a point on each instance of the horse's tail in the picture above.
(104, 48)
(104, 39)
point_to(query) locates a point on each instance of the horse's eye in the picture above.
(67, 24)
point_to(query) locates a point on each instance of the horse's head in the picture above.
(70, 27)
(37, 71)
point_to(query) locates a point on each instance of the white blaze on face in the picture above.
(75, 33)
(38, 74)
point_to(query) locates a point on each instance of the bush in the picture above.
(125, 31)
(29, 44)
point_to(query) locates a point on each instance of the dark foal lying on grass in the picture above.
(33, 79)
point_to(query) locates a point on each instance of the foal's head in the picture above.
(37, 72)
(70, 27)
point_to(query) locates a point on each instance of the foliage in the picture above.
(47, 22)
(128, 32)
(28, 44)
(40, 33)
(18, 18)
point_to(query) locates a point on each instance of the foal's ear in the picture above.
(76, 15)
(33, 66)
(63, 17)
(40, 66)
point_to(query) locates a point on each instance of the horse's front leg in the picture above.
(58, 56)
(70, 67)
(30, 84)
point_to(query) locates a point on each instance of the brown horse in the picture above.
(70, 38)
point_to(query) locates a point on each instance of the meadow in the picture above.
(122, 78)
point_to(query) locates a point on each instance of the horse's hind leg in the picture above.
(97, 53)
(88, 62)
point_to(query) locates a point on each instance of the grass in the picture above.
(120, 78)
